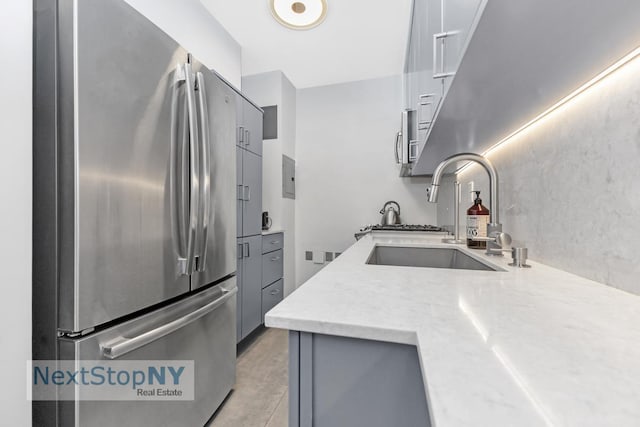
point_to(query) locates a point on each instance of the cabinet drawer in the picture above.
(271, 295)
(272, 242)
(271, 267)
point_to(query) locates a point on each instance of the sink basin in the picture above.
(427, 257)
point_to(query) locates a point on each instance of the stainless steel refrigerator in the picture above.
(134, 208)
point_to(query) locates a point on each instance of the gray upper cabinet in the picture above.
(457, 21)
(249, 168)
(439, 31)
(249, 118)
(523, 57)
(240, 120)
(253, 119)
(252, 204)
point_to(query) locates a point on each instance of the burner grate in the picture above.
(403, 227)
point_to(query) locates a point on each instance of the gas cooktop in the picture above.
(399, 227)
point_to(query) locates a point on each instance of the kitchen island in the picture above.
(525, 347)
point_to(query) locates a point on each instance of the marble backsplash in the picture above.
(570, 184)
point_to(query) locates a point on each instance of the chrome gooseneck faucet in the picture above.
(496, 239)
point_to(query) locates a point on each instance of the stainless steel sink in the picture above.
(427, 257)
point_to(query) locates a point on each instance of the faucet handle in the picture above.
(500, 238)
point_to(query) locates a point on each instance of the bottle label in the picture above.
(477, 226)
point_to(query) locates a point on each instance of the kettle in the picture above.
(390, 215)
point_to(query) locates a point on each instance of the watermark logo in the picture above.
(110, 380)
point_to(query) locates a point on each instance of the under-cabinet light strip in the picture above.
(619, 64)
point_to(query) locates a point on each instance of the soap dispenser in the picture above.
(477, 220)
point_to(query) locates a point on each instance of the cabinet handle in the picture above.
(240, 251)
(247, 251)
(275, 292)
(413, 150)
(425, 122)
(247, 138)
(241, 134)
(275, 242)
(440, 38)
(397, 146)
(275, 258)
(248, 198)
(240, 192)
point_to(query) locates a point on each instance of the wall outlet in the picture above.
(318, 257)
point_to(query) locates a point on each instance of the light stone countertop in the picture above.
(525, 347)
(272, 230)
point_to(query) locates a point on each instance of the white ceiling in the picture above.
(360, 39)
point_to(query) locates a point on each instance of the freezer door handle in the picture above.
(205, 173)
(194, 160)
(122, 345)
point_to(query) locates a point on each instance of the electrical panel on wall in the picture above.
(288, 177)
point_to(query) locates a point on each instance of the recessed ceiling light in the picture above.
(299, 15)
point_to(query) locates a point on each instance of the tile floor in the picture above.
(260, 397)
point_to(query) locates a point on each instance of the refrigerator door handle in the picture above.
(176, 163)
(194, 160)
(124, 345)
(205, 208)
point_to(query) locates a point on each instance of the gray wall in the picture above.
(345, 166)
(274, 88)
(15, 212)
(570, 184)
(190, 24)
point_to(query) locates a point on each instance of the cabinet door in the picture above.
(457, 18)
(253, 128)
(252, 204)
(240, 120)
(251, 284)
(239, 280)
(240, 190)
(431, 89)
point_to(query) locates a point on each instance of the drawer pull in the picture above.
(275, 242)
(275, 258)
(275, 292)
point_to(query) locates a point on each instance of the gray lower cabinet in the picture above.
(250, 284)
(338, 381)
(272, 271)
(271, 296)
